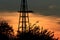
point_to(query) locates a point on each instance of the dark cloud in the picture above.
(58, 22)
(8, 13)
(45, 7)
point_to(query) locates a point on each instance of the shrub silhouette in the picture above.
(5, 31)
(33, 34)
(36, 34)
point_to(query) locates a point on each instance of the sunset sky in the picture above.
(47, 12)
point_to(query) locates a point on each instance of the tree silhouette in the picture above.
(5, 31)
(36, 34)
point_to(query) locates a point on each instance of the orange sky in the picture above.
(47, 22)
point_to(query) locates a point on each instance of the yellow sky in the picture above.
(47, 22)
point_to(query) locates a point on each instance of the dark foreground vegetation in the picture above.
(7, 33)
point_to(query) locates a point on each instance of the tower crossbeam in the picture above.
(23, 24)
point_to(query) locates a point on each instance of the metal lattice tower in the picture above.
(23, 17)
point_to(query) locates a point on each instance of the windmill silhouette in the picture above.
(23, 24)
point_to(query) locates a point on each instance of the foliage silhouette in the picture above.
(5, 31)
(36, 34)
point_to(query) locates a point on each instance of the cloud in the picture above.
(44, 20)
(7, 13)
(50, 22)
(58, 22)
(40, 6)
(52, 7)
(47, 22)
